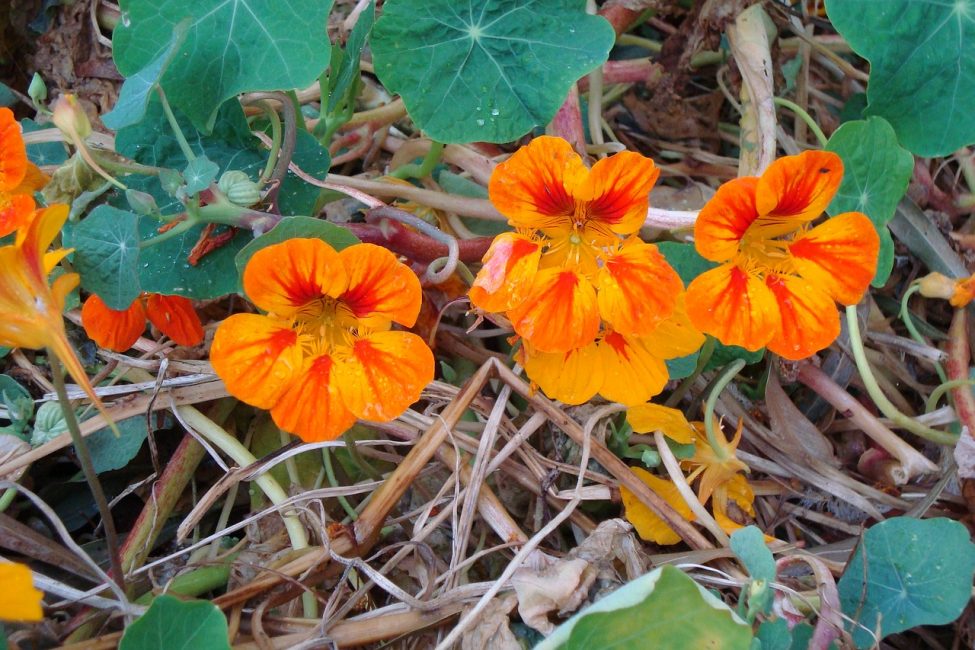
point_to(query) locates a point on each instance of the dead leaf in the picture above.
(11, 447)
(493, 631)
(795, 434)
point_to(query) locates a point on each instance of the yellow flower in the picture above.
(19, 600)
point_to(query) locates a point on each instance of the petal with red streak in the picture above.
(16, 211)
(572, 377)
(637, 289)
(725, 218)
(385, 374)
(632, 373)
(380, 286)
(13, 153)
(559, 313)
(808, 316)
(733, 306)
(176, 318)
(798, 188)
(283, 278)
(312, 407)
(113, 329)
(617, 191)
(509, 269)
(533, 188)
(839, 256)
(256, 357)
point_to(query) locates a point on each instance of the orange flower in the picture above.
(20, 601)
(30, 310)
(779, 278)
(18, 176)
(324, 355)
(573, 262)
(118, 330)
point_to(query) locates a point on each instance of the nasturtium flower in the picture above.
(324, 353)
(574, 263)
(118, 330)
(30, 309)
(19, 177)
(779, 277)
(958, 292)
(20, 601)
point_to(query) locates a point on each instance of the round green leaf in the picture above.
(918, 572)
(173, 624)
(922, 66)
(232, 47)
(106, 255)
(489, 70)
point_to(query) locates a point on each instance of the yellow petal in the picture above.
(648, 418)
(675, 336)
(648, 525)
(633, 374)
(20, 601)
(572, 377)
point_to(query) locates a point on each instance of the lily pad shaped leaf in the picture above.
(106, 255)
(173, 624)
(907, 572)
(486, 71)
(922, 66)
(231, 47)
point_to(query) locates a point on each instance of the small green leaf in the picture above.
(662, 610)
(49, 423)
(775, 635)
(876, 171)
(107, 255)
(682, 367)
(232, 47)
(490, 70)
(907, 572)
(199, 173)
(922, 67)
(173, 624)
(685, 260)
(109, 452)
(292, 227)
(134, 95)
(43, 153)
(345, 80)
(749, 545)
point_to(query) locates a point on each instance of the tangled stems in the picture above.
(877, 395)
(908, 320)
(729, 373)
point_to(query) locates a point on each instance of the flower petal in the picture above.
(633, 374)
(733, 306)
(312, 407)
(176, 318)
(572, 377)
(617, 191)
(256, 357)
(283, 278)
(385, 374)
(110, 328)
(533, 188)
(559, 313)
(839, 256)
(34, 240)
(509, 269)
(16, 211)
(380, 286)
(725, 218)
(798, 188)
(637, 289)
(19, 599)
(13, 153)
(648, 525)
(647, 418)
(675, 336)
(808, 316)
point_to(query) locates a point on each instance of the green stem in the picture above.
(729, 373)
(877, 395)
(7, 498)
(707, 350)
(176, 231)
(88, 468)
(425, 168)
(174, 125)
(272, 158)
(330, 473)
(196, 582)
(941, 389)
(905, 315)
(805, 117)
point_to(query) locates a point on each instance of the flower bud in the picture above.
(71, 118)
(239, 188)
(936, 285)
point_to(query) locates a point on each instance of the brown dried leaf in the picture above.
(795, 434)
(492, 631)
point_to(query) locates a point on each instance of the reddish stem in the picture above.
(628, 71)
(416, 246)
(567, 123)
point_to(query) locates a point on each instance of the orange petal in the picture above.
(798, 188)
(533, 188)
(572, 377)
(648, 525)
(637, 289)
(808, 316)
(20, 601)
(839, 256)
(34, 240)
(312, 407)
(509, 269)
(675, 336)
(110, 328)
(647, 418)
(617, 191)
(283, 278)
(385, 373)
(13, 153)
(725, 218)
(380, 286)
(633, 374)
(256, 357)
(176, 318)
(16, 211)
(733, 306)
(559, 313)
(34, 179)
